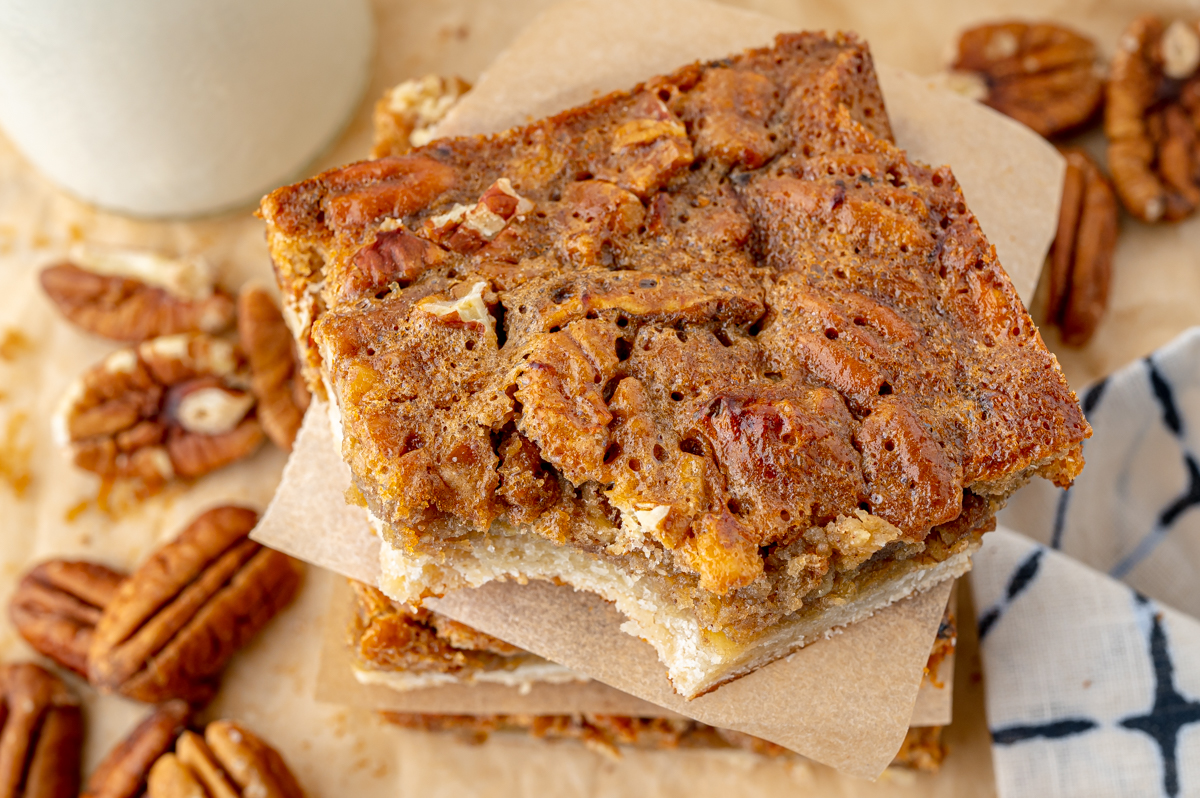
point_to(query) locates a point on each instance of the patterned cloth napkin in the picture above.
(1089, 619)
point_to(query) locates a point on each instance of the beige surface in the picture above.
(347, 752)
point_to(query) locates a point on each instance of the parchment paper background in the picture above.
(336, 751)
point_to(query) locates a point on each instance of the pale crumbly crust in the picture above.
(717, 333)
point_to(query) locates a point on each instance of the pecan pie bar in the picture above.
(400, 647)
(713, 348)
(922, 748)
(409, 648)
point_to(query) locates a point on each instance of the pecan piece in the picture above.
(227, 762)
(174, 405)
(124, 771)
(274, 369)
(41, 736)
(132, 296)
(178, 618)
(406, 114)
(1153, 119)
(1081, 257)
(465, 229)
(56, 607)
(1044, 76)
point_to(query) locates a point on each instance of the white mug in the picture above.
(179, 107)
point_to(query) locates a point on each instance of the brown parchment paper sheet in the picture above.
(336, 684)
(337, 751)
(858, 725)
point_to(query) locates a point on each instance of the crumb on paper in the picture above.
(117, 499)
(460, 32)
(899, 776)
(15, 454)
(14, 344)
(75, 510)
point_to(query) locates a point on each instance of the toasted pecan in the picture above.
(123, 772)
(171, 406)
(227, 762)
(179, 618)
(1153, 119)
(113, 295)
(57, 605)
(274, 368)
(1081, 257)
(1040, 74)
(41, 736)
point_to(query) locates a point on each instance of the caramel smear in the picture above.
(15, 454)
(14, 344)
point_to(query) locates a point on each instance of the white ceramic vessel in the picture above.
(179, 107)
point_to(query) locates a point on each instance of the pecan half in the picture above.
(41, 736)
(406, 113)
(1153, 119)
(171, 406)
(56, 607)
(274, 368)
(1081, 257)
(132, 296)
(177, 620)
(124, 771)
(228, 762)
(1044, 76)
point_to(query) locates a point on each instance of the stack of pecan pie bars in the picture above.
(713, 349)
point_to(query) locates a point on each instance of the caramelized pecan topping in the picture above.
(405, 114)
